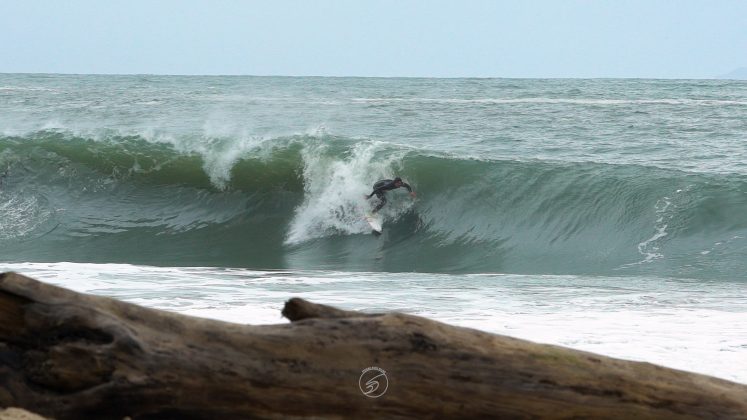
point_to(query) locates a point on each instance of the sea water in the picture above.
(603, 215)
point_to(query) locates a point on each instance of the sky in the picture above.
(407, 38)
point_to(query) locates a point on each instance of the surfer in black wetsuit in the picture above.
(384, 185)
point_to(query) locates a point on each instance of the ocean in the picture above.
(604, 215)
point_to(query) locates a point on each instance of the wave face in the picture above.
(597, 177)
(297, 202)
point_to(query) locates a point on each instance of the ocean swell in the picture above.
(297, 201)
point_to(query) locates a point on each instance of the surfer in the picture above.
(384, 185)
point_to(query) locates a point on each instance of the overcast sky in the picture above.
(522, 38)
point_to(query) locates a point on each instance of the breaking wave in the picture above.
(297, 202)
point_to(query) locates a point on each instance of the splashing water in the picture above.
(334, 200)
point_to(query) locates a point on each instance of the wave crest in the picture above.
(297, 201)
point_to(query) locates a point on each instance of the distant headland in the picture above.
(736, 74)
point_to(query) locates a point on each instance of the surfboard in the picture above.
(374, 220)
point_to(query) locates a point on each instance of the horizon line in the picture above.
(368, 77)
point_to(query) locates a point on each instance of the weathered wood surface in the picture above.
(72, 356)
(13, 413)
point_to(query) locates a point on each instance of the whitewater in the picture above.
(603, 215)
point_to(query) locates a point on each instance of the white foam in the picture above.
(334, 189)
(21, 214)
(665, 210)
(648, 248)
(28, 89)
(541, 100)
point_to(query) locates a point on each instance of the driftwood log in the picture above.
(73, 356)
(18, 414)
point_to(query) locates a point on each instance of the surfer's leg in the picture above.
(382, 201)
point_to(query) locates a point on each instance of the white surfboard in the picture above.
(374, 220)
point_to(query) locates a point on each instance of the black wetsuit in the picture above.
(382, 186)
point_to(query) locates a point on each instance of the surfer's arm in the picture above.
(409, 189)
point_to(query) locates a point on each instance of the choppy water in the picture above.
(608, 215)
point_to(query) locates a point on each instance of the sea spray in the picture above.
(334, 189)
